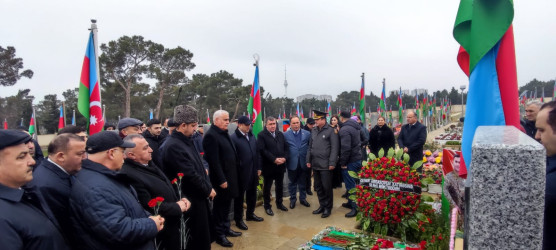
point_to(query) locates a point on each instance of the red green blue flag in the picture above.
(61, 122)
(487, 55)
(88, 103)
(362, 99)
(400, 107)
(5, 123)
(353, 110)
(32, 123)
(383, 98)
(208, 117)
(329, 110)
(254, 107)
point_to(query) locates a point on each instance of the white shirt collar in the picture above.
(56, 164)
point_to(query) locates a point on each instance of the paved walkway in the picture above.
(288, 230)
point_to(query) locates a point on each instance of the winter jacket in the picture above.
(381, 138)
(149, 182)
(350, 142)
(105, 212)
(221, 155)
(324, 147)
(248, 158)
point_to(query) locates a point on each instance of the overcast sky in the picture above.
(326, 45)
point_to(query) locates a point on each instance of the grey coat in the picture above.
(323, 148)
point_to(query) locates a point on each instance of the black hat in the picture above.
(310, 121)
(106, 140)
(319, 114)
(128, 122)
(12, 137)
(171, 123)
(244, 120)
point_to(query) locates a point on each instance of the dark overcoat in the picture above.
(221, 155)
(248, 158)
(381, 138)
(413, 138)
(270, 148)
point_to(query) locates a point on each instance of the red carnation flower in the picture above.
(180, 175)
(159, 199)
(174, 181)
(152, 203)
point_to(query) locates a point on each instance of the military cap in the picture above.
(319, 114)
(12, 137)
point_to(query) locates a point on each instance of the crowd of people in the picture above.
(97, 192)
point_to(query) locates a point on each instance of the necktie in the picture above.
(247, 137)
(273, 135)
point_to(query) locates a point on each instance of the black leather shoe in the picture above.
(253, 217)
(346, 205)
(325, 213)
(292, 205)
(223, 241)
(319, 210)
(304, 203)
(269, 211)
(309, 192)
(241, 225)
(352, 213)
(282, 207)
(232, 233)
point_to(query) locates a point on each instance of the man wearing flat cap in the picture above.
(179, 155)
(128, 126)
(322, 158)
(105, 212)
(26, 221)
(249, 170)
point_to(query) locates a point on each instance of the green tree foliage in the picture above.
(126, 61)
(14, 108)
(48, 114)
(168, 67)
(10, 67)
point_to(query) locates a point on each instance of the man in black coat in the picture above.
(273, 150)
(221, 155)
(26, 222)
(149, 182)
(531, 110)
(179, 155)
(153, 136)
(350, 155)
(52, 176)
(412, 138)
(249, 170)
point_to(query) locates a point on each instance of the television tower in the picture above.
(285, 83)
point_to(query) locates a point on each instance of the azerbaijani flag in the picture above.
(5, 123)
(400, 107)
(542, 97)
(302, 116)
(297, 110)
(32, 123)
(254, 107)
(89, 90)
(61, 122)
(151, 114)
(208, 117)
(362, 99)
(383, 98)
(353, 110)
(487, 55)
(329, 109)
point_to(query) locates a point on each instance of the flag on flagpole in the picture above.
(151, 114)
(383, 98)
(61, 122)
(302, 116)
(362, 99)
(5, 123)
(329, 109)
(297, 110)
(487, 55)
(353, 110)
(254, 107)
(542, 97)
(73, 118)
(32, 123)
(89, 103)
(208, 117)
(400, 107)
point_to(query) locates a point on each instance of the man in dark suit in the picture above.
(52, 176)
(221, 155)
(26, 222)
(412, 138)
(273, 149)
(178, 155)
(149, 182)
(298, 142)
(153, 136)
(249, 170)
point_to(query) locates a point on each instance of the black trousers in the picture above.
(249, 194)
(198, 223)
(220, 213)
(308, 179)
(323, 186)
(278, 178)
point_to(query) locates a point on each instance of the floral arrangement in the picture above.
(383, 211)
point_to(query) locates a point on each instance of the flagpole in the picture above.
(64, 110)
(95, 40)
(36, 127)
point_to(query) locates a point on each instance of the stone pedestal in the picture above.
(506, 197)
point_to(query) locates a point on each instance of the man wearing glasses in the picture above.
(105, 213)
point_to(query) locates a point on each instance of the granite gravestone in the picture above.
(506, 195)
